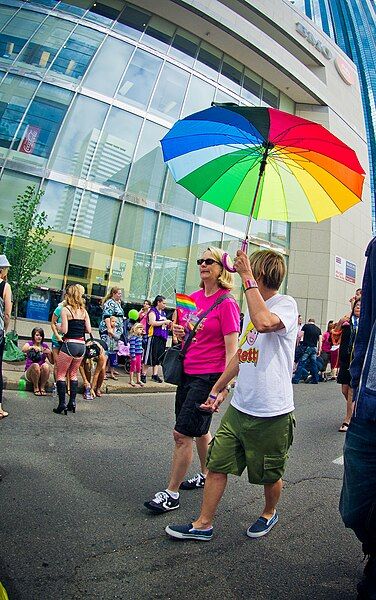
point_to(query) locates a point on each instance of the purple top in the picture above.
(41, 361)
(161, 330)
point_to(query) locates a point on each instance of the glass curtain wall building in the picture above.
(87, 90)
(352, 24)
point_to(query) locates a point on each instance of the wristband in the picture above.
(250, 284)
(213, 396)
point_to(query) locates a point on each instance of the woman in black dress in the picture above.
(349, 328)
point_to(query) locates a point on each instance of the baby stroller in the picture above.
(123, 356)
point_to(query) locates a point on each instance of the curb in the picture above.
(106, 389)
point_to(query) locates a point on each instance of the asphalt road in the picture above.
(73, 524)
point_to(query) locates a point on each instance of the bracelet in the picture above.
(227, 388)
(250, 284)
(213, 396)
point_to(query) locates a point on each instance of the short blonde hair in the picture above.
(225, 279)
(74, 297)
(269, 266)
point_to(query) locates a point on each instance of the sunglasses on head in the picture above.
(207, 261)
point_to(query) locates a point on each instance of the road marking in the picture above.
(338, 461)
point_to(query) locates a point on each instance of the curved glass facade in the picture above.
(87, 90)
(352, 24)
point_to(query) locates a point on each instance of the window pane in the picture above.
(75, 7)
(236, 221)
(172, 250)
(148, 171)
(139, 79)
(280, 233)
(132, 22)
(184, 47)
(79, 137)
(17, 32)
(202, 239)
(42, 121)
(97, 217)
(158, 34)
(15, 94)
(5, 15)
(74, 58)
(223, 97)
(261, 229)
(105, 12)
(231, 74)
(11, 184)
(270, 95)
(200, 95)
(177, 196)
(43, 47)
(286, 104)
(169, 94)
(102, 79)
(209, 61)
(115, 149)
(136, 228)
(251, 87)
(210, 212)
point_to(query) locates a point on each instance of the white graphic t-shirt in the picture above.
(263, 387)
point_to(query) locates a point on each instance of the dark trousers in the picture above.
(358, 496)
(308, 362)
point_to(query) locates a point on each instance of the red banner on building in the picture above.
(29, 139)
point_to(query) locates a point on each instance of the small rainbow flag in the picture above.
(185, 302)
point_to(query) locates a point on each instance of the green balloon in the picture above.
(133, 314)
(22, 384)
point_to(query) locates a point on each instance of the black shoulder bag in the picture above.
(172, 363)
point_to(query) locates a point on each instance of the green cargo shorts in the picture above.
(258, 443)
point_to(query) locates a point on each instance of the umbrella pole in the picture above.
(244, 246)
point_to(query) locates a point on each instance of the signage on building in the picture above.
(345, 270)
(29, 139)
(345, 70)
(311, 39)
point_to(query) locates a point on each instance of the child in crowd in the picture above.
(136, 351)
(112, 342)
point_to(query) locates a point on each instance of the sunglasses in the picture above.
(207, 261)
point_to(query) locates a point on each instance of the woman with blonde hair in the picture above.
(216, 325)
(5, 312)
(75, 322)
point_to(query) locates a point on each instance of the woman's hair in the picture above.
(134, 329)
(4, 272)
(358, 301)
(113, 290)
(330, 326)
(37, 330)
(269, 266)
(158, 299)
(225, 279)
(74, 296)
(148, 301)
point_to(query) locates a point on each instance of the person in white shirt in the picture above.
(257, 429)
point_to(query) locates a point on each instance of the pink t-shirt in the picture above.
(207, 352)
(326, 342)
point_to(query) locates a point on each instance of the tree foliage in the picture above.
(27, 245)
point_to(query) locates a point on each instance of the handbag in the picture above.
(172, 362)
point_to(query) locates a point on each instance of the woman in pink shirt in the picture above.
(214, 344)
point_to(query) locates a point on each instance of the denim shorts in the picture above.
(259, 444)
(193, 391)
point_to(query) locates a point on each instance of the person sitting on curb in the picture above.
(37, 368)
(257, 428)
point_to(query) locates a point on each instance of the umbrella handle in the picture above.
(225, 258)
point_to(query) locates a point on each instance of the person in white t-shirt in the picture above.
(257, 429)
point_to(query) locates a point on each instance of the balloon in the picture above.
(133, 314)
(22, 384)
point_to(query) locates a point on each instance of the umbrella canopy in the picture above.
(263, 163)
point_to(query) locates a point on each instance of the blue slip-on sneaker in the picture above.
(188, 532)
(262, 526)
(162, 502)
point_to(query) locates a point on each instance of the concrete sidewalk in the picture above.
(13, 373)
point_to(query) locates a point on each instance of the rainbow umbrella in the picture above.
(263, 163)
